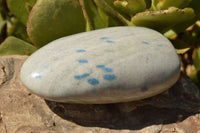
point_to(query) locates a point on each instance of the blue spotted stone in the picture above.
(109, 77)
(79, 77)
(144, 42)
(93, 81)
(110, 65)
(81, 51)
(104, 68)
(100, 66)
(110, 41)
(160, 45)
(82, 61)
(104, 38)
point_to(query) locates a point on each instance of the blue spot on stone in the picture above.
(93, 81)
(144, 42)
(82, 61)
(100, 66)
(109, 77)
(36, 75)
(144, 89)
(81, 51)
(160, 45)
(110, 41)
(103, 38)
(106, 69)
(79, 77)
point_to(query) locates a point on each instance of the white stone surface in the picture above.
(103, 66)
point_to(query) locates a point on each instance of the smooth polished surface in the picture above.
(103, 66)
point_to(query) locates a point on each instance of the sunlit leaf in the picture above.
(21, 8)
(52, 19)
(15, 46)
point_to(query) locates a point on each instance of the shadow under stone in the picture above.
(110, 116)
(172, 106)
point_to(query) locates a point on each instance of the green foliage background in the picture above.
(27, 25)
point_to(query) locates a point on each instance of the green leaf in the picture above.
(163, 20)
(170, 33)
(15, 46)
(188, 38)
(130, 7)
(4, 10)
(95, 18)
(3, 30)
(21, 8)
(108, 7)
(165, 4)
(18, 30)
(109, 21)
(148, 4)
(195, 5)
(179, 44)
(196, 59)
(52, 19)
(0, 6)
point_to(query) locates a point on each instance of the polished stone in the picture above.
(109, 65)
